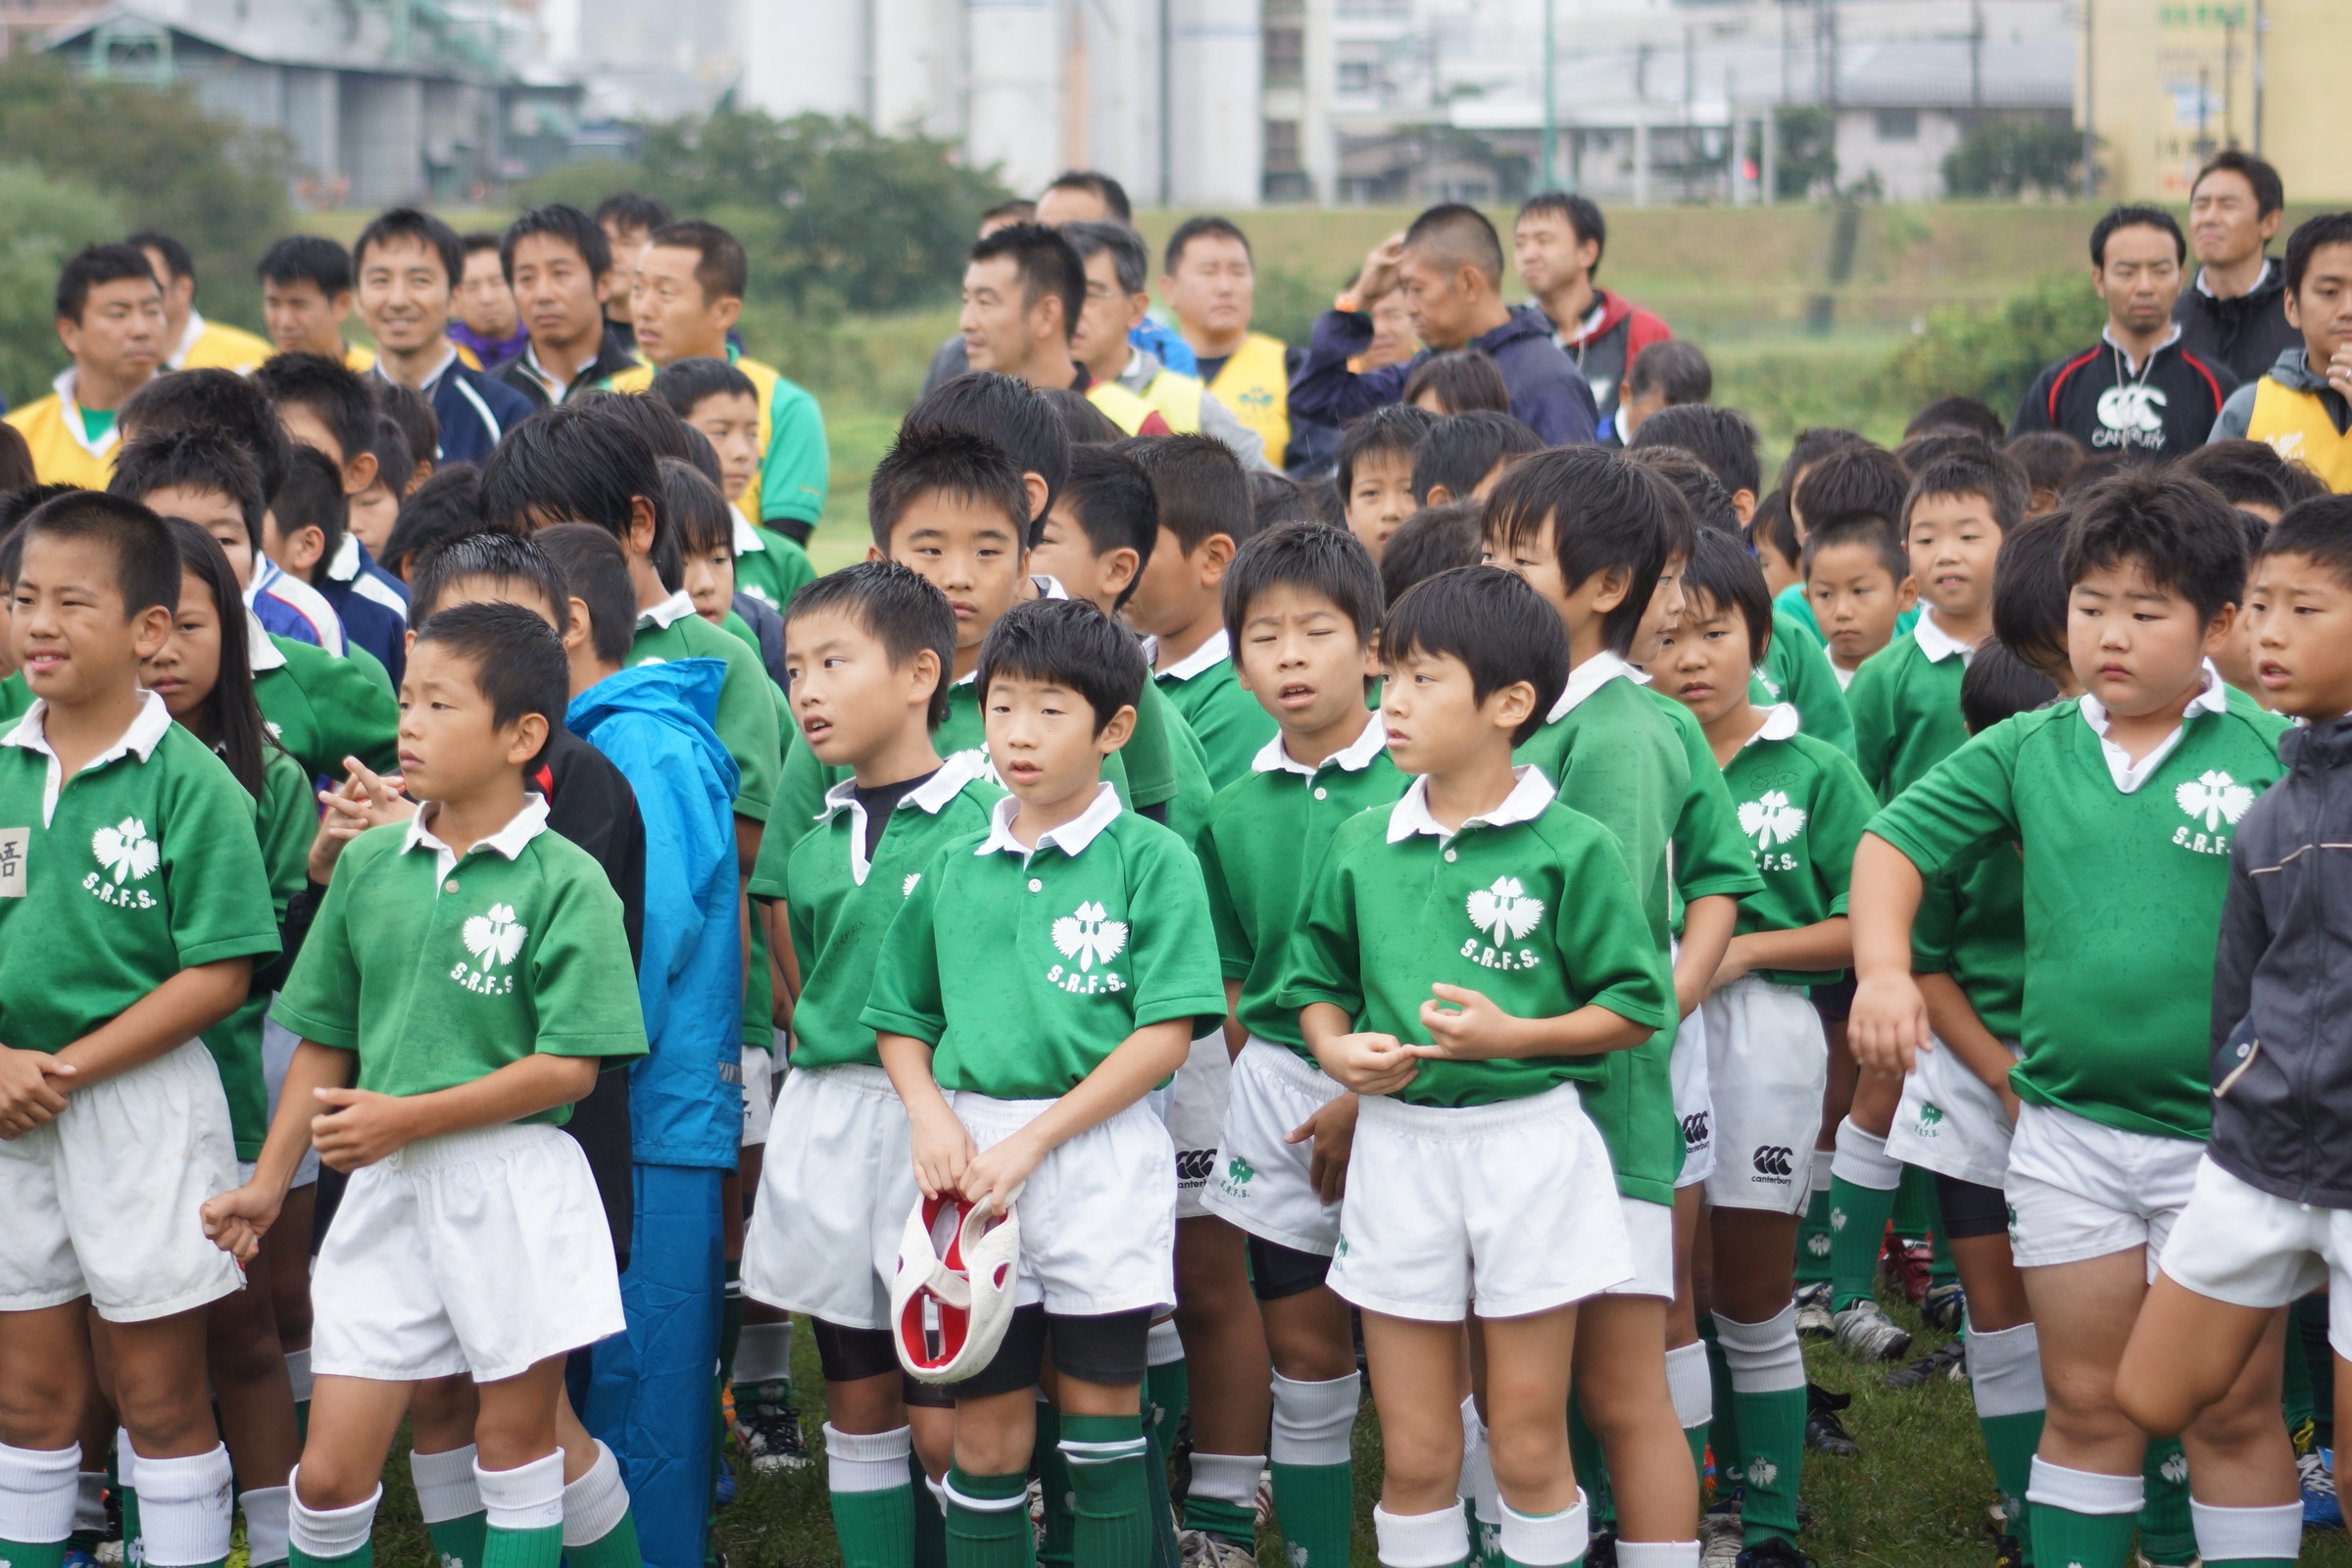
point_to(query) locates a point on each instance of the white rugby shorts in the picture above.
(2078, 1189)
(1768, 1067)
(834, 1194)
(1952, 1121)
(758, 1069)
(1258, 1182)
(2238, 1243)
(1694, 1099)
(1650, 1231)
(1098, 1213)
(1195, 1111)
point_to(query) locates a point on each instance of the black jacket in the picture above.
(2245, 334)
(1547, 394)
(612, 356)
(2283, 981)
(2165, 410)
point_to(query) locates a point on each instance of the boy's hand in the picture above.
(1465, 1026)
(1735, 965)
(992, 1178)
(1370, 1064)
(33, 1090)
(1888, 1026)
(237, 1220)
(2339, 371)
(364, 800)
(943, 1152)
(1333, 1128)
(359, 1127)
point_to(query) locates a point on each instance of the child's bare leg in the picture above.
(1528, 1364)
(1416, 1390)
(2186, 1351)
(1995, 1286)
(1308, 1336)
(284, 1271)
(353, 1421)
(46, 1375)
(1316, 1395)
(1230, 1377)
(257, 1413)
(2239, 1456)
(1621, 1389)
(2086, 1486)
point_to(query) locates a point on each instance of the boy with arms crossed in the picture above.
(125, 843)
(2124, 805)
(494, 982)
(1047, 1059)
(1465, 959)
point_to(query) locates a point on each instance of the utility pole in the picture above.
(1552, 106)
(2262, 26)
(2090, 88)
(1976, 54)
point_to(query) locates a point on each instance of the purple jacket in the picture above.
(1547, 394)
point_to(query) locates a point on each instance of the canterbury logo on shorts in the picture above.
(1774, 1162)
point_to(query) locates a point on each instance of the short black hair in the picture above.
(1676, 368)
(2300, 482)
(1017, 417)
(2327, 228)
(1992, 476)
(721, 270)
(312, 259)
(1582, 215)
(704, 519)
(897, 607)
(571, 464)
(2242, 470)
(1494, 623)
(1084, 425)
(1812, 444)
(595, 570)
(1607, 514)
(629, 209)
(1096, 184)
(500, 556)
(1916, 452)
(563, 221)
(228, 720)
(1860, 478)
(193, 459)
(1314, 557)
(1773, 525)
(1461, 449)
(2090, 471)
(312, 497)
(2270, 191)
(1276, 499)
(444, 507)
(417, 421)
(1710, 502)
(1393, 429)
(681, 384)
(1724, 439)
(2030, 590)
(395, 463)
(219, 402)
(330, 389)
(415, 225)
(1722, 572)
(1067, 642)
(1044, 262)
(1432, 540)
(1999, 684)
(1130, 260)
(1192, 228)
(1873, 529)
(92, 266)
(1017, 207)
(519, 661)
(15, 460)
(2321, 529)
(2135, 215)
(1117, 508)
(1203, 488)
(146, 560)
(2176, 529)
(921, 463)
(1461, 233)
(1971, 414)
(177, 259)
(2049, 458)
(1461, 379)
(476, 241)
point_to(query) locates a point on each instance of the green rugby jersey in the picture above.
(1264, 838)
(1231, 726)
(1972, 925)
(320, 708)
(285, 821)
(768, 566)
(142, 865)
(1530, 905)
(15, 698)
(1905, 700)
(2123, 874)
(747, 704)
(440, 970)
(841, 906)
(1708, 854)
(1025, 969)
(1797, 671)
(1802, 806)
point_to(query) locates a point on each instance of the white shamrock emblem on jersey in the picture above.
(1771, 819)
(495, 938)
(1088, 936)
(2216, 797)
(1504, 911)
(127, 853)
(906, 888)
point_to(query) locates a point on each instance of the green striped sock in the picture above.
(542, 1547)
(1858, 1233)
(987, 1521)
(1108, 1456)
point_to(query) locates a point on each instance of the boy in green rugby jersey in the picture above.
(720, 401)
(1802, 806)
(135, 903)
(1466, 962)
(1037, 983)
(468, 973)
(1593, 533)
(869, 650)
(2123, 806)
(1204, 517)
(1858, 582)
(1302, 606)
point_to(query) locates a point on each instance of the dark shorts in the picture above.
(1970, 1209)
(1277, 1271)
(850, 1355)
(1108, 1348)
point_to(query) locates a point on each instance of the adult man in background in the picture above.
(1557, 241)
(559, 262)
(408, 265)
(2234, 313)
(1117, 296)
(190, 342)
(626, 219)
(1024, 289)
(306, 297)
(110, 318)
(1450, 265)
(486, 326)
(1210, 279)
